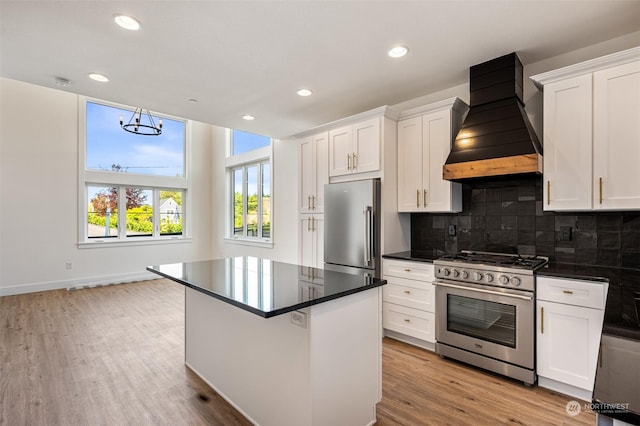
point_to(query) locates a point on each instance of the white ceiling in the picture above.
(250, 57)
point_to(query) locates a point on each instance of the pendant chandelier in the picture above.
(142, 123)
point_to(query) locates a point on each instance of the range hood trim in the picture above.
(515, 164)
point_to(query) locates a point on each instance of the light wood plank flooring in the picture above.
(114, 355)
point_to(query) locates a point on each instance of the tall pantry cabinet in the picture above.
(591, 134)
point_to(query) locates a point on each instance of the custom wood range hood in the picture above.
(496, 137)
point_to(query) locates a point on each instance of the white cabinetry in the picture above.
(311, 245)
(425, 135)
(408, 308)
(570, 314)
(592, 134)
(314, 172)
(355, 148)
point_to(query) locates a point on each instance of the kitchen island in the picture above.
(284, 344)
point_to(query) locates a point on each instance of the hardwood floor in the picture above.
(114, 355)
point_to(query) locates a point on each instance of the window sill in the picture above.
(133, 242)
(250, 242)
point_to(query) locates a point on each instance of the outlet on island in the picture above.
(452, 230)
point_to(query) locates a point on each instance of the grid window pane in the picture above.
(266, 200)
(109, 148)
(139, 212)
(238, 202)
(171, 212)
(102, 212)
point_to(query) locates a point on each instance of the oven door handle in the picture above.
(479, 290)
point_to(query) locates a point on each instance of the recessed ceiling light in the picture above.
(398, 52)
(98, 77)
(127, 22)
(304, 92)
(248, 117)
(62, 82)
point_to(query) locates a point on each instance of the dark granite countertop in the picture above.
(265, 287)
(622, 312)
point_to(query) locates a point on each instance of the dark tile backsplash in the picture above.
(505, 215)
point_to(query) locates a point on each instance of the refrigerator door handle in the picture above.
(368, 212)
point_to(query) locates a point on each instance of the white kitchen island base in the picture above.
(278, 373)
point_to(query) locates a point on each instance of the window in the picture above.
(134, 187)
(249, 169)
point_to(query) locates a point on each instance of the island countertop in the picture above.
(265, 287)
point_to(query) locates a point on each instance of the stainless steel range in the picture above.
(486, 311)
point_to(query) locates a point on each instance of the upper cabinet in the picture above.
(591, 134)
(355, 148)
(425, 135)
(314, 172)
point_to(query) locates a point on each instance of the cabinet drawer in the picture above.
(406, 269)
(589, 294)
(412, 322)
(410, 293)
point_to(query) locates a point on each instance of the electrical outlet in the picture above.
(299, 318)
(68, 265)
(565, 233)
(452, 230)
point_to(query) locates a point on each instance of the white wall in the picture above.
(39, 208)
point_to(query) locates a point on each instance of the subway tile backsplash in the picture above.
(505, 215)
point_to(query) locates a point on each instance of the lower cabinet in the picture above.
(570, 314)
(408, 308)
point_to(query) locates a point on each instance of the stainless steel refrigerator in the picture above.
(352, 227)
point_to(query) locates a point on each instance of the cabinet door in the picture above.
(410, 189)
(366, 146)
(616, 138)
(568, 340)
(436, 139)
(306, 159)
(317, 228)
(568, 144)
(340, 162)
(321, 150)
(306, 255)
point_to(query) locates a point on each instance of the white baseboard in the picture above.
(78, 283)
(563, 388)
(430, 346)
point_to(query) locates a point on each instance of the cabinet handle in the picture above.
(425, 198)
(407, 320)
(418, 198)
(313, 202)
(407, 292)
(600, 188)
(541, 320)
(348, 162)
(354, 161)
(407, 270)
(548, 192)
(309, 202)
(313, 224)
(309, 224)
(567, 291)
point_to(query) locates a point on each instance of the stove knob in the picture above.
(515, 281)
(456, 273)
(504, 279)
(477, 276)
(489, 277)
(446, 272)
(465, 275)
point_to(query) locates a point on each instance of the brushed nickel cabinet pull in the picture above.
(309, 224)
(541, 320)
(348, 162)
(418, 198)
(425, 198)
(567, 291)
(309, 202)
(313, 202)
(407, 320)
(548, 192)
(354, 161)
(407, 270)
(313, 224)
(407, 292)
(600, 187)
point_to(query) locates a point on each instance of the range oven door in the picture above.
(490, 321)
